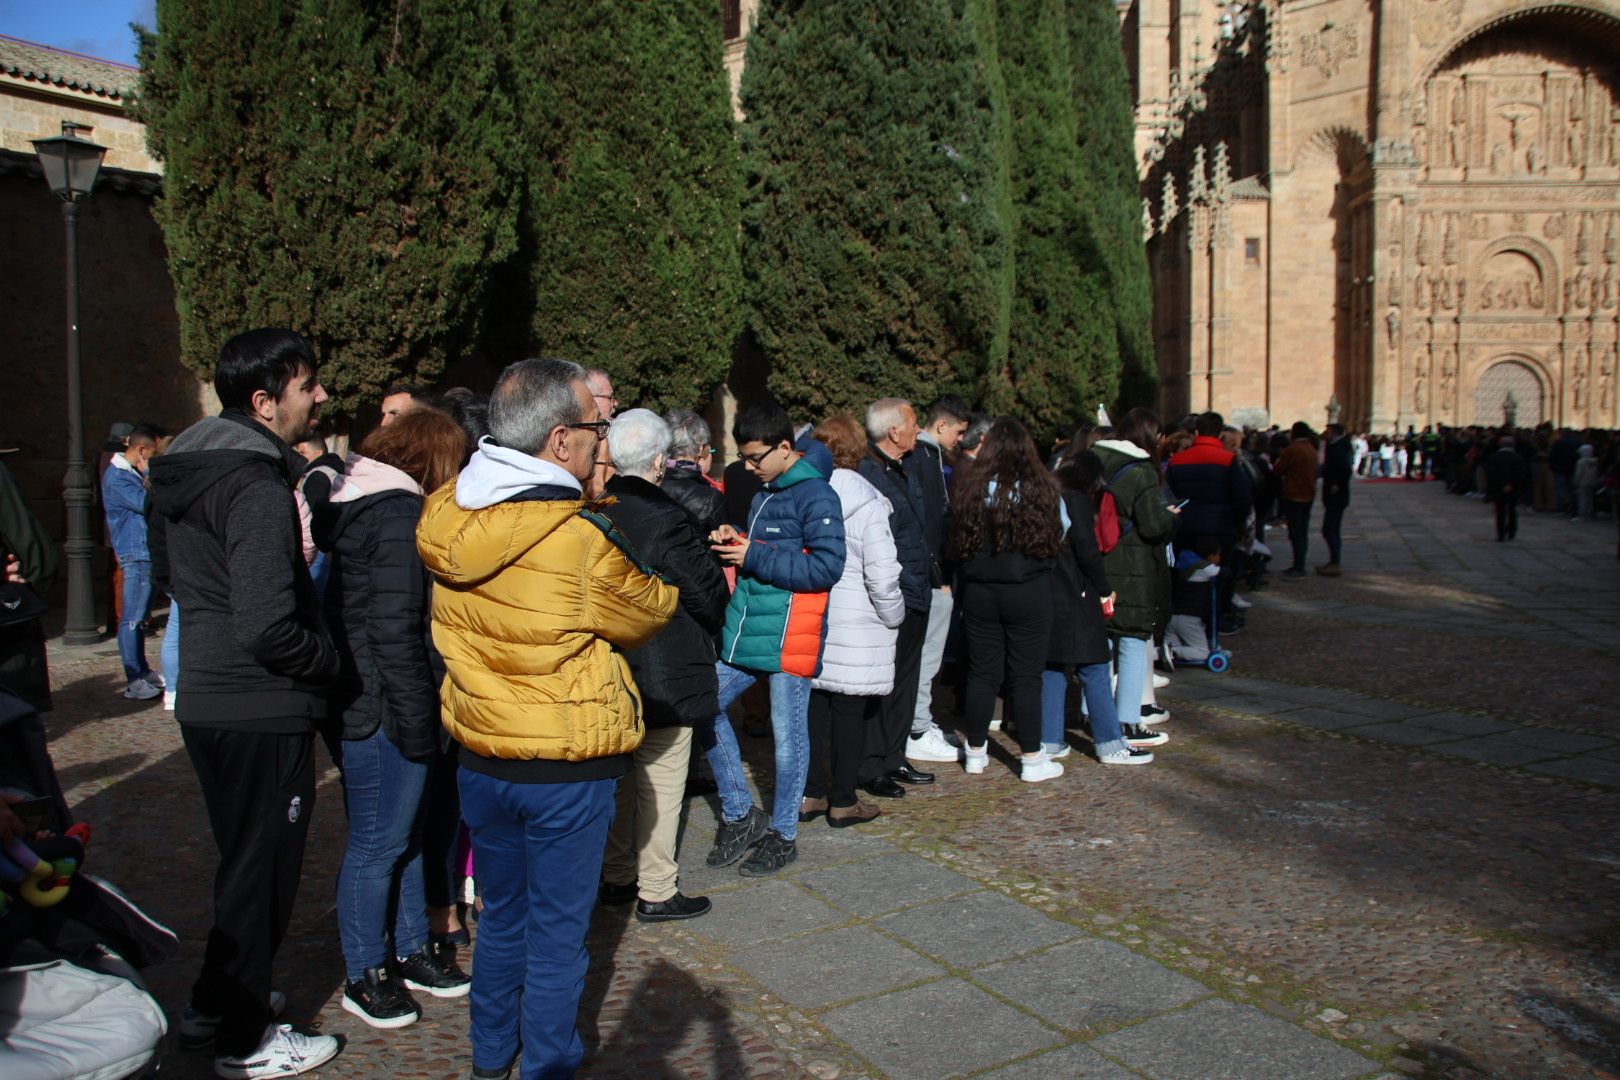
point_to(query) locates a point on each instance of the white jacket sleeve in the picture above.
(880, 563)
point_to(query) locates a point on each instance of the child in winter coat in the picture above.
(1196, 569)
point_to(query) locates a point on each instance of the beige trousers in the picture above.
(641, 842)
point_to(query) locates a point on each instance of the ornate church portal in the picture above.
(1425, 221)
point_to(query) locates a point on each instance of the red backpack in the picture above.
(1109, 526)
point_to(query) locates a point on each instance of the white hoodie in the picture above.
(495, 474)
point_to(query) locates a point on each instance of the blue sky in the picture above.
(98, 28)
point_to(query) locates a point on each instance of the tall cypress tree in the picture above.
(1062, 356)
(342, 168)
(633, 192)
(873, 247)
(1110, 194)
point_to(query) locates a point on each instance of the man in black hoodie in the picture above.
(255, 664)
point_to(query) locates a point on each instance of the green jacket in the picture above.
(1137, 564)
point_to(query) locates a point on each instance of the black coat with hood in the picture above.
(699, 498)
(378, 605)
(1079, 630)
(675, 670)
(255, 655)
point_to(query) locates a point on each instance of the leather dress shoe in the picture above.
(884, 788)
(906, 774)
(679, 906)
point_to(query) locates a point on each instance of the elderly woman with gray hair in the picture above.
(686, 473)
(675, 672)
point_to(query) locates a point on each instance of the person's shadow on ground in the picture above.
(650, 1026)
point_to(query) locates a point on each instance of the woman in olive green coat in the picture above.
(1131, 467)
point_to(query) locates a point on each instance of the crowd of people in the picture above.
(510, 619)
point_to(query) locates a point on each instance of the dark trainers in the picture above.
(773, 853)
(1139, 736)
(614, 894)
(381, 1000)
(433, 971)
(679, 906)
(736, 837)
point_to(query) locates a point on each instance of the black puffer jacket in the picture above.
(918, 567)
(1079, 631)
(378, 605)
(675, 670)
(699, 498)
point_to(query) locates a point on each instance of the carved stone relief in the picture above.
(1435, 19)
(1511, 281)
(1327, 49)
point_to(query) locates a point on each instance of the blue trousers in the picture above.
(137, 599)
(1099, 698)
(790, 712)
(538, 848)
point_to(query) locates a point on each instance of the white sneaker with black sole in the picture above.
(282, 1052)
(197, 1028)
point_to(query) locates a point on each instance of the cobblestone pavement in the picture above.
(1384, 844)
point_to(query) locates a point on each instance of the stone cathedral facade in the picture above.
(1399, 212)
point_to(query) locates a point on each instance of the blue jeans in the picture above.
(380, 882)
(538, 848)
(1332, 528)
(1105, 731)
(137, 599)
(1131, 663)
(790, 709)
(169, 656)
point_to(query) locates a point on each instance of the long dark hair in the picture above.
(1141, 428)
(1022, 515)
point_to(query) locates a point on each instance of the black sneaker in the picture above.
(679, 906)
(1138, 736)
(736, 837)
(773, 853)
(433, 971)
(381, 1000)
(613, 895)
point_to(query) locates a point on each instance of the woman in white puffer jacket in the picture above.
(864, 611)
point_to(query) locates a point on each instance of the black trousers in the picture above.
(839, 723)
(1298, 516)
(1006, 628)
(441, 808)
(259, 790)
(886, 738)
(1507, 516)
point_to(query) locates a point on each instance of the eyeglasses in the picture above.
(755, 459)
(599, 427)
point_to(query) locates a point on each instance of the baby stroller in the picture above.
(72, 1003)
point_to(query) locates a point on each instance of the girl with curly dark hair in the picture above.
(1009, 524)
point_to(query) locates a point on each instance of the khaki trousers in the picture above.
(641, 842)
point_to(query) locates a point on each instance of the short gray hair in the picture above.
(689, 434)
(636, 440)
(531, 399)
(883, 414)
(598, 373)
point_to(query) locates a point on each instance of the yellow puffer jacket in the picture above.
(532, 604)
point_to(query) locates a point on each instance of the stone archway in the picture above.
(1510, 376)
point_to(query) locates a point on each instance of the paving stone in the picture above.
(1383, 709)
(1566, 742)
(1323, 719)
(1464, 724)
(1255, 704)
(764, 912)
(1066, 1063)
(1086, 983)
(1497, 750)
(941, 1029)
(1326, 696)
(886, 884)
(1401, 734)
(1592, 770)
(977, 929)
(819, 969)
(1221, 1040)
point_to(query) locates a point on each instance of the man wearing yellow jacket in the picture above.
(535, 601)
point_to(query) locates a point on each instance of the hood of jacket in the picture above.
(1121, 446)
(799, 472)
(357, 487)
(495, 474)
(210, 450)
(855, 491)
(464, 546)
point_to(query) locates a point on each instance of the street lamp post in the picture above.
(70, 165)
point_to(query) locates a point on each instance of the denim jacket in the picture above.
(123, 494)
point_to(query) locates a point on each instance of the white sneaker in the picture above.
(197, 1028)
(169, 698)
(1127, 756)
(283, 1052)
(1056, 751)
(975, 761)
(1160, 681)
(931, 745)
(995, 723)
(1240, 603)
(1032, 770)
